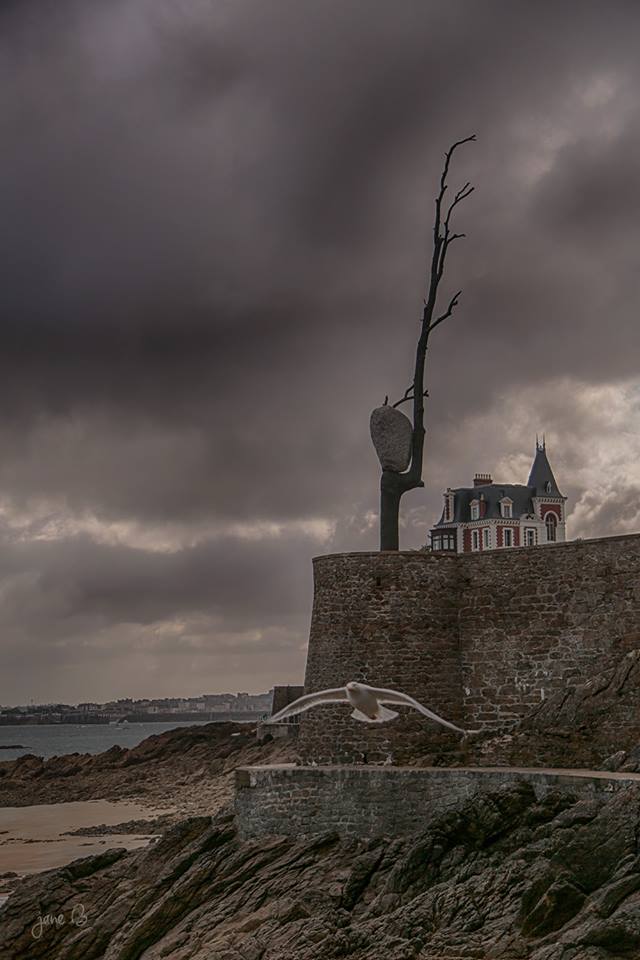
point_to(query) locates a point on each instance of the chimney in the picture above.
(481, 478)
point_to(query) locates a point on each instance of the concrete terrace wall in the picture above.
(479, 638)
(383, 801)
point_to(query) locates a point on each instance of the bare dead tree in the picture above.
(394, 484)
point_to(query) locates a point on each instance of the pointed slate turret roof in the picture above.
(521, 496)
(542, 474)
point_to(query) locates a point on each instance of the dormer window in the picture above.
(506, 508)
(448, 506)
(547, 486)
(475, 509)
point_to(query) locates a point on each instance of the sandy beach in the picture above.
(58, 810)
(38, 838)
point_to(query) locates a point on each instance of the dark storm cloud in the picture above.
(119, 584)
(216, 219)
(236, 597)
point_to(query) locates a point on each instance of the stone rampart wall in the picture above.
(382, 801)
(479, 638)
(536, 620)
(390, 619)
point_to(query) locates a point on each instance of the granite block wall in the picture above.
(381, 801)
(479, 638)
(541, 619)
(389, 619)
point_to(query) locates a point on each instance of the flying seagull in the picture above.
(366, 701)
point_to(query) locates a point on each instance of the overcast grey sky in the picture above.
(215, 223)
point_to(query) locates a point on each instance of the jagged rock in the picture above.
(201, 758)
(500, 876)
(592, 724)
(615, 761)
(391, 433)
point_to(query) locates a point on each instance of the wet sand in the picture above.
(31, 838)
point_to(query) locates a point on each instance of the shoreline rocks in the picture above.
(500, 875)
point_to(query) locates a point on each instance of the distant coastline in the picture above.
(63, 739)
(237, 716)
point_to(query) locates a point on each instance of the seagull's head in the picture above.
(352, 685)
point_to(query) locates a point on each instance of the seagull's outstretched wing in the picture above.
(395, 696)
(309, 700)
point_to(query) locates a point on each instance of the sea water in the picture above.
(56, 739)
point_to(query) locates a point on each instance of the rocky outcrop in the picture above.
(582, 726)
(190, 767)
(500, 877)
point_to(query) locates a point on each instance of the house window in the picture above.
(444, 541)
(486, 538)
(507, 537)
(530, 537)
(475, 539)
(475, 510)
(506, 507)
(551, 522)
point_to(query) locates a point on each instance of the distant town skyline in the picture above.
(204, 703)
(215, 226)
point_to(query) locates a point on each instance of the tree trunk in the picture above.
(392, 486)
(390, 493)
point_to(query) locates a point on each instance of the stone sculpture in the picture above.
(391, 432)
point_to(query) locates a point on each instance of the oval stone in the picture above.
(391, 432)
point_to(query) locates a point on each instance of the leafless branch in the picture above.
(452, 303)
(447, 241)
(394, 485)
(462, 194)
(408, 395)
(404, 399)
(440, 241)
(443, 185)
(447, 160)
